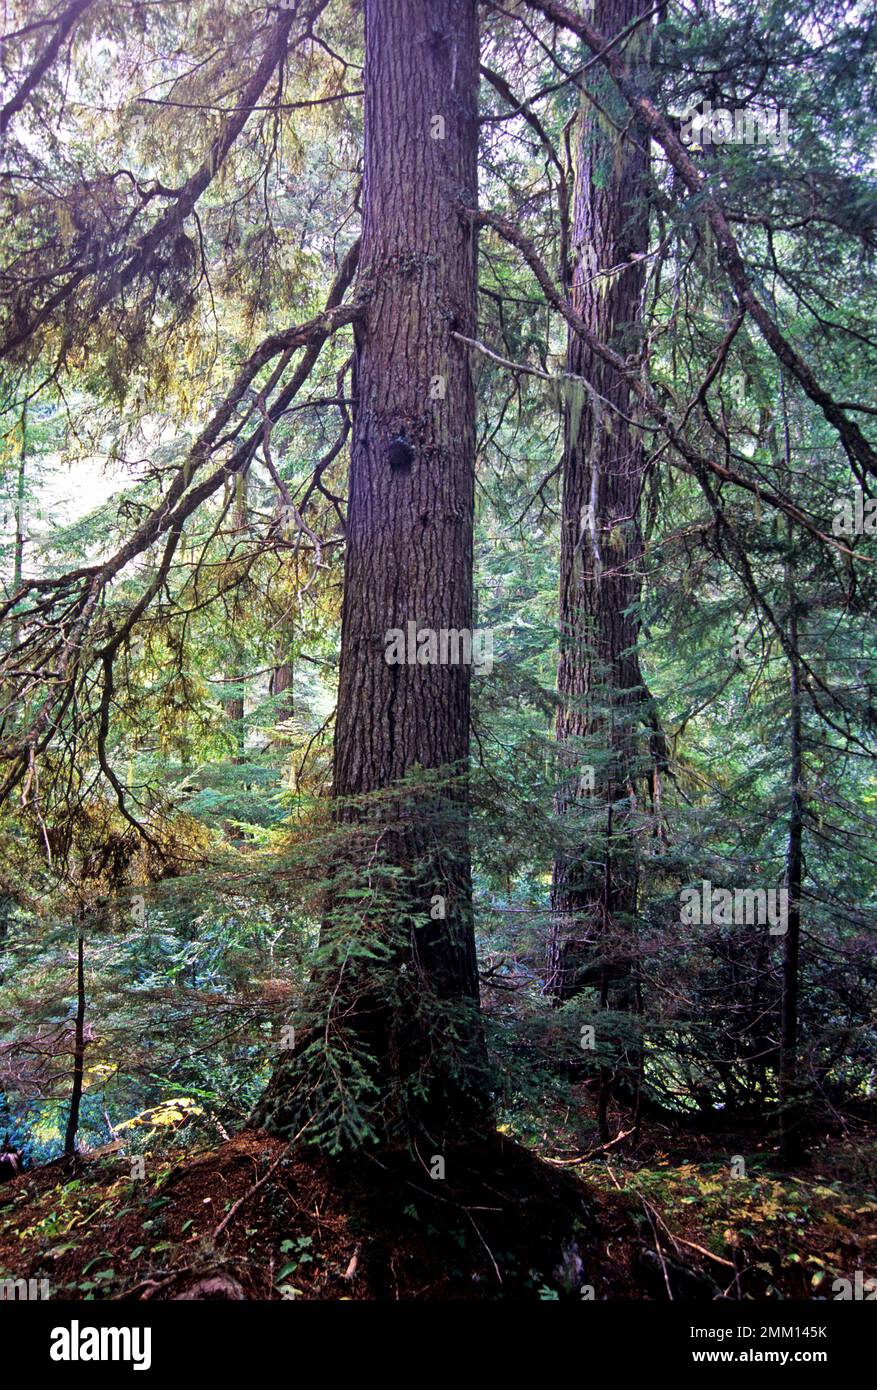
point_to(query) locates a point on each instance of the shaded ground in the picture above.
(761, 1232)
(664, 1219)
(500, 1223)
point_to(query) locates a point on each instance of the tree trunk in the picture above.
(18, 559)
(594, 890)
(78, 1052)
(234, 705)
(20, 494)
(280, 689)
(281, 686)
(599, 681)
(402, 978)
(791, 1146)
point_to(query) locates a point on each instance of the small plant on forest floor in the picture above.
(299, 1252)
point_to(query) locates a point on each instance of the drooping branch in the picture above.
(59, 646)
(700, 465)
(119, 268)
(860, 451)
(498, 82)
(65, 23)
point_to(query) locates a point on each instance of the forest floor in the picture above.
(663, 1219)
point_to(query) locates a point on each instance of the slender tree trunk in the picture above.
(18, 552)
(18, 560)
(409, 559)
(234, 710)
(234, 704)
(17, 573)
(280, 688)
(78, 1051)
(791, 1146)
(281, 684)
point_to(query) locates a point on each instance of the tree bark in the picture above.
(599, 681)
(235, 705)
(409, 550)
(78, 1052)
(20, 529)
(281, 683)
(281, 690)
(791, 1145)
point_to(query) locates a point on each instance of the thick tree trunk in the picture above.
(599, 681)
(412, 1010)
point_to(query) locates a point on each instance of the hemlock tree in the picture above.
(399, 1043)
(408, 560)
(602, 699)
(599, 680)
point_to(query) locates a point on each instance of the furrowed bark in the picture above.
(791, 1140)
(604, 462)
(409, 550)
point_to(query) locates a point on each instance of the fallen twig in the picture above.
(592, 1153)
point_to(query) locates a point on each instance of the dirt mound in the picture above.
(252, 1220)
